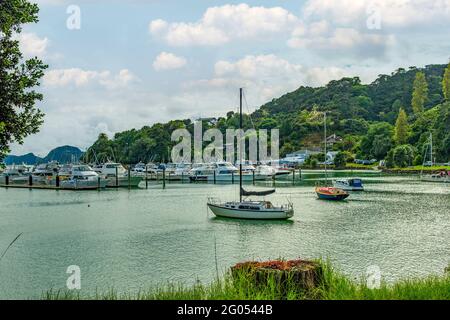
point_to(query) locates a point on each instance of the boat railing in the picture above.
(213, 200)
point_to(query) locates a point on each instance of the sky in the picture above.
(117, 65)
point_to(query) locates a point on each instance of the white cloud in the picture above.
(344, 40)
(120, 80)
(393, 13)
(253, 67)
(79, 78)
(220, 25)
(32, 45)
(158, 26)
(168, 61)
(266, 76)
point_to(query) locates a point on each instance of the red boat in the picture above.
(331, 193)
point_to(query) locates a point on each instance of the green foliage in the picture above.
(363, 115)
(418, 160)
(331, 285)
(18, 77)
(390, 159)
(286, 148)
(342, 158)
(403, 155)
(420, 93)
(378, 140)
(446, 83)
(401, 127)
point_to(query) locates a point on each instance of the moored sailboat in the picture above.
(326, 192)
(249, 209)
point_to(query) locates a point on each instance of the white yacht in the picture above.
(181, 172)
(45, 173)
(264, 172)
(142, 169)
(249, 209)
(117, 175)
(221, 171)
(353, 184)
(80, 177)
(257, 210)
(443, 176)
(17, 174)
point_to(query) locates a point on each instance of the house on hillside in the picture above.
(331, 140)
(300, 156)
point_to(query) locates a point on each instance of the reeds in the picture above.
(239, 285)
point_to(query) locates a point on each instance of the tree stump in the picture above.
(298, 275)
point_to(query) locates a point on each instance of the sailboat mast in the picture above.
(431, 148)
(240, 146)
(325, 139)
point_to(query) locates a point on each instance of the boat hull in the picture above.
(435, 179)
(348, 188)
(221, 211)
(332, 197)
(228, 178)
(82, 185)
(328, 193)
(133, 182)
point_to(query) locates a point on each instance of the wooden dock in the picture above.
(42, 187)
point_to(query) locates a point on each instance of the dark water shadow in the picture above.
(224, 220)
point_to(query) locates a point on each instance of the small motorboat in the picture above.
(354, 184)
(331, 193)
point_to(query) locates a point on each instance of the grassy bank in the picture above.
(240, 286)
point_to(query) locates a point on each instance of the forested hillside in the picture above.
(390, 119)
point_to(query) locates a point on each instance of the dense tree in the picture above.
(446, 83)
(363, 115)
(341, 159)
(380, 146)
(286, 148)
(18, 114)
(420, 93)
(403, 155)
(401, 127)
(378, 140)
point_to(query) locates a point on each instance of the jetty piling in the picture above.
(164, 178)
(146, 178)
(117, 176)
(129, 177)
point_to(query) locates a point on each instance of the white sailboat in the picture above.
(249, 209)
(443, 176)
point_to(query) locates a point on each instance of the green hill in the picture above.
(64, 154)
(363, 114)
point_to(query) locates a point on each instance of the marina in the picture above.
(261, 151)
(133, 239)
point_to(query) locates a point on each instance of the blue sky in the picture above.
(134, 63)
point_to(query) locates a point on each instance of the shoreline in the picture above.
(281, 284)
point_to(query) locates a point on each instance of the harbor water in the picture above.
(134, 239)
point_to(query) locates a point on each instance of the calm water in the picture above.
(133, 239)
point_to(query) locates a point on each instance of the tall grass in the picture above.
(239, 286)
